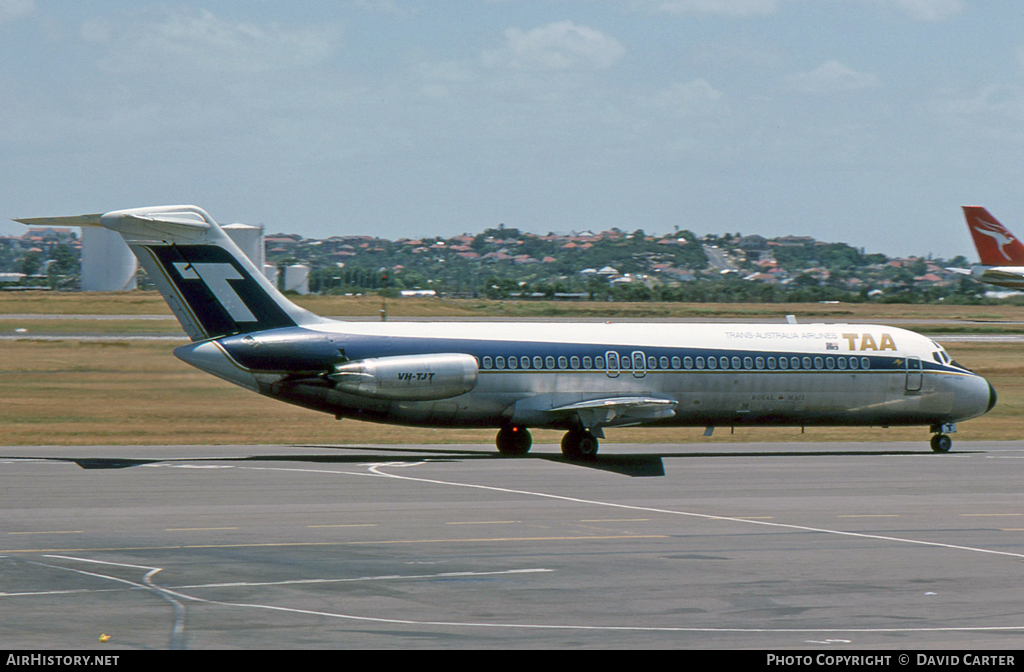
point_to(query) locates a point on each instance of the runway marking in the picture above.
(704, 516)
(287, 582)
(373, 470)
(869, 515)
(489, 539)
(347, 525)
(389, 577)
(51, 532)
(484, 522)
(830, 641)
(101, 562)
(297, 544)
(177, 631)
(616, 520)
(570, 627)
(171, 593)
(980, 515)
(41, 593)
(196, 529)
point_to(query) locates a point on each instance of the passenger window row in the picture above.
(676, 363)
(549, 362)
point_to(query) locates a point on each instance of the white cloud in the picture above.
(832, 76)
(383, 6)
(439, 79)
(11, 10)
(727, 8)
(921, 10)
(446, 71)
(995, 110)
(686, 99)
(930, 10)
(191, 41)
(557, 46)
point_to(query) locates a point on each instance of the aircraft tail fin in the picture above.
(995, 244)
(212, 287)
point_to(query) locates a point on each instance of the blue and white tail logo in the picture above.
(216, 277)
(216, 291)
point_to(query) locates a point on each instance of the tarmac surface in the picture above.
(765, 546)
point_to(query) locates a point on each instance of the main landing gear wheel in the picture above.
(941, 443)
(579, 445)
(514, 440)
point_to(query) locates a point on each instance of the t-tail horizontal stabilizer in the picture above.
(209, 283)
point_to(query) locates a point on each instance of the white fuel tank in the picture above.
(408, 377)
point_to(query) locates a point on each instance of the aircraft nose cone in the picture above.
(973, 396)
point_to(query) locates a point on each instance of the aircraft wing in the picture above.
(595, 413)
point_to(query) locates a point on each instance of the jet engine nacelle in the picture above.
(408, 377)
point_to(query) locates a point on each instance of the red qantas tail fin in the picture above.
(995, 244)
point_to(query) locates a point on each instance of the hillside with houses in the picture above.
(506, 263)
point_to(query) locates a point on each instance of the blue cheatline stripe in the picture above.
(360, 346)
(323, 350)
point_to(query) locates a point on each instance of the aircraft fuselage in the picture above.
(1011, 277)
(705, 374)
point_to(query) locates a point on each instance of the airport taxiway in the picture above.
(830, 546)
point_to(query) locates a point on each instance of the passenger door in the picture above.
(611, 362)
(915, 374)
(639, 364)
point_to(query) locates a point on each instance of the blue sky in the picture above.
(863, 121)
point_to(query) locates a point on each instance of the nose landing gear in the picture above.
(941, 443)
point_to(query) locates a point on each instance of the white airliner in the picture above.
(515, 376)
(1001, 254)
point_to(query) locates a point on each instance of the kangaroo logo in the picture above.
(216, 277)
(1000, 236)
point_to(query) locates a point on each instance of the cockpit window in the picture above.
(940, 355)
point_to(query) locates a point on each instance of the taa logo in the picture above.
(216, 277)
(867, 342)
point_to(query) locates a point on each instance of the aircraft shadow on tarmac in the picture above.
(635, 465)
